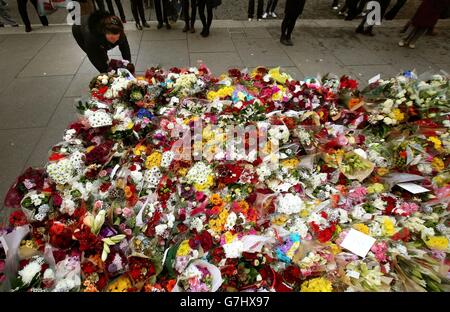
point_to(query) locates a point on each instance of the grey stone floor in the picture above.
(44, 72)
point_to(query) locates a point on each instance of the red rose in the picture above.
(206, 240)
(57, 199)
(292, 274)
(17, 218)
(60, 235)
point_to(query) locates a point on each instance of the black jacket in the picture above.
(90, 38)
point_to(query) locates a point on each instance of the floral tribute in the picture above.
(122, 206)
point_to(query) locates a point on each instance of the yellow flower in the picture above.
(437, 164)
(153, 160)
(221, 93)
(229, 237)
(280, 219)
(382, 171)
(216, 199)
(277, 76)
(139, 149)
(437, 242)
(90, 148)
(319, 284)
(182, 171)
(375, 188)
(290, 163)
(209, 183)
(128, 192)
(122, 284)
(397, 115)
(437, 143)
(362, 228)
(335, 249)
(184, 249)
(388, 227)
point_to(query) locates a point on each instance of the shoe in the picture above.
(160, 25)
(146, 25)
(192, 30)
(335, 8)
(401, 43)
(359, 30)
(15, 25)
(28, 28)
(264, 15)
(168, 26)
(205, 33)
(412, 46)
(250, 19)
(124, 21)
(369, 33)
(274, 15)
(2, 25)
(259, 19)
(138, 26)
(185, 28)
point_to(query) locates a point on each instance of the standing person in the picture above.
(251, 9)
(270, 10)
(189, 20)
(4, 15)
(335, 4)
(137, 9)
(99, 33)
(426, 17)
(161, 9)
(367, 29)
(206, 20)
(119, 7)
(293, 10)
(395, 9)
(22, 4)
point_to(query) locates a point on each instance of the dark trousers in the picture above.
(251, 8)
(137, 8)
(395, 9)
(271, 6)
(100, 5)
(293, 10)
(190, 20)
(119, 7)
(335, 3)
(161, 7)
(354, 7)
(206, 20)
(22, 4)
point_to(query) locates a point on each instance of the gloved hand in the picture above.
(131, 68)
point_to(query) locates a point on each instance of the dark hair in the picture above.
(112, 25)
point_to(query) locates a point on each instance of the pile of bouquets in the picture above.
(182, 181)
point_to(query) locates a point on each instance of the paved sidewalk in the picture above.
(43, 73)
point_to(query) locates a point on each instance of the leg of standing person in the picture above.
(273, 7)
(165, 7)
(43, 19)
(158, 11)
(260, 10)
(193, 14)
(417, 34)
(335, 4)
(206, 21)
(110, 7)
(141, 10)
(384, 4)
(395, 9)
(7, 18)
(121, 11)
(185, 4)
(134, 11)
(22, 5)
(298, 10)
(251, 9)
(267, 11)
(352, 11)
(361, 7)
(294, 8)
(100, 5)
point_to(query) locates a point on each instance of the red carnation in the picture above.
(17, 218)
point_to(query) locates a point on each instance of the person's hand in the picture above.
(131, 68)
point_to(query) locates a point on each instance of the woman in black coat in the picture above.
(99, 33)
(293, 10)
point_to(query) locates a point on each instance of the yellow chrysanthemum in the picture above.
(388, 227)
(437, 242)
(139, 149)
(280, 219)
(397, 115)
(216, 199)
(153, 160)
(362, 228)
(122, 284)
(204, 186)
(437, 164)
(319, 284)
(290, 163)
(437, 143)
(382, 171)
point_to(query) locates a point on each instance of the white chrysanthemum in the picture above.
(49, 274)
(152, 177)
(197, 224)
(233, 249)
(76, 159)
(98, 118)
(61, 172)
(29, 272)
(289, 204)
(279, 132)
(199, 173)
(299, 227)
(167, 158)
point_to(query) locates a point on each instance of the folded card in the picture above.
(358, 242)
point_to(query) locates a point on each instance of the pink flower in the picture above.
(380, 250)
(128, 232)
(127, 212)
(98, 205)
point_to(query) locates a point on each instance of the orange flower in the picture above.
(402, 154)
(354, 103)
(128, 192)
(216, 199)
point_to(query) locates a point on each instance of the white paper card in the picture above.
(358, 242)
(413, 188)
(353, 274)
(375, 79)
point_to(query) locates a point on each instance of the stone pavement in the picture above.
(44, 72)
